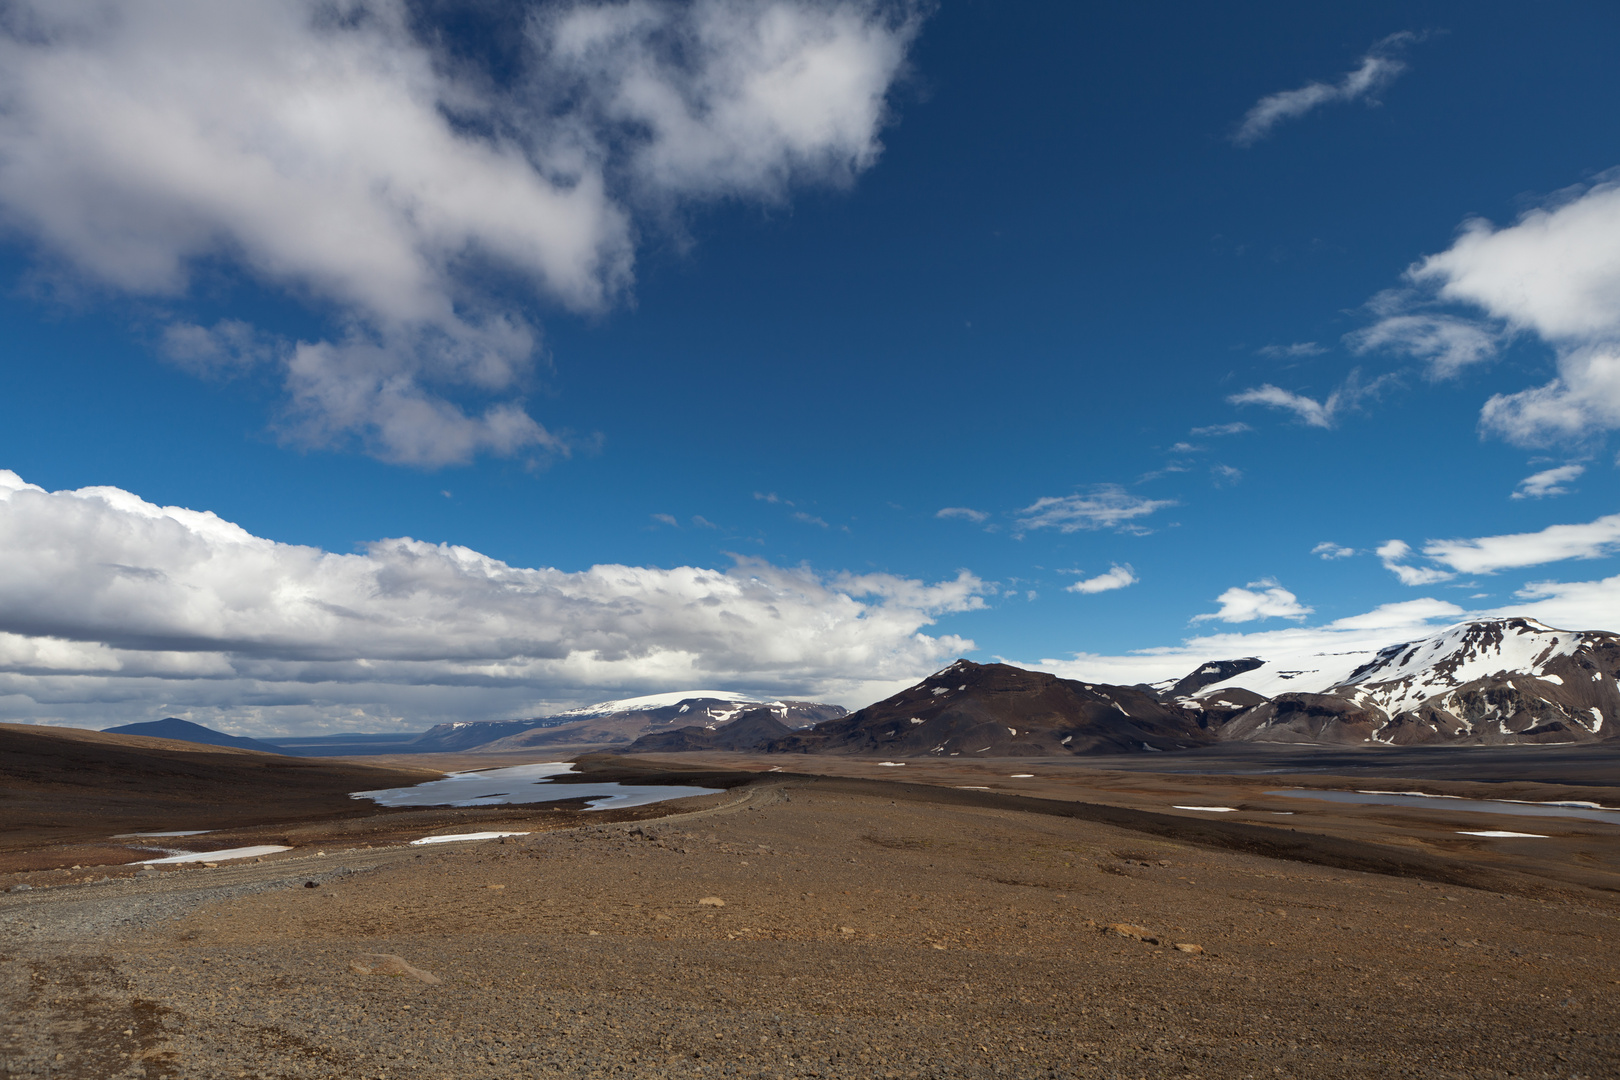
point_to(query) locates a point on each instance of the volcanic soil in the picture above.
(834, 926)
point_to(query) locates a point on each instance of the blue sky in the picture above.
(913, 317)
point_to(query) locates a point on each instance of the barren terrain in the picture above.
(802, 925)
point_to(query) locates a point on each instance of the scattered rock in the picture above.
(1135, 933)
(711, 901)
(312, 884)
(21, 886)
(390, 965)
(1196, 950)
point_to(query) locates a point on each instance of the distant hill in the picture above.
(618, 723)
(750, 731)
(186, 731)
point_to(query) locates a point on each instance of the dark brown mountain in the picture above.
(751, 731)
(998, 710)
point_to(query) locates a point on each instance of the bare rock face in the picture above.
(996, 710)
(1304, 718)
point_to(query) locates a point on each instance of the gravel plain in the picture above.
(805, 927)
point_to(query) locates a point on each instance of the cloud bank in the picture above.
(423, 207)
(114, 609)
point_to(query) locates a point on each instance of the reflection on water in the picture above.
(1449, 802)
(526, 784)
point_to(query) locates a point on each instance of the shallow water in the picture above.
(518, 784)
(1446, 802)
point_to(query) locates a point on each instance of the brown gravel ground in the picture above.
(868, 929)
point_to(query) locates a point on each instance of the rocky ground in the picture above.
(818, 927)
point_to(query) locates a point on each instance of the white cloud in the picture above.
(1548, 482)
(1377, 69)
(1575, 605)
(1555, 273)
(327, 152)
(1449, 344)
(112, 608)
(1555, 543)
(1220, 429)
(1327, 549)
(1298, 348)
(1118, 577)
(1225, 475)
(1394, 553)
(1311, 412)
(667, 519)
(1263, 599)
(963, 513)
(1323, 414)
(1107, 506)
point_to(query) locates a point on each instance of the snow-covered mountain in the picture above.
(1489, 681)
(618, 723)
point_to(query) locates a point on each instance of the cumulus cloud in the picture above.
(1548, 482)
(1327, 549)
(114, 608)
(1263, 599)
(963, 513)
(1394, 553)
(327, 151)
(1553, 274)
(1377, 69)
(1106, 506)
(1118, 577)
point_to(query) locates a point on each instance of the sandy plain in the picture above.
(958, 922)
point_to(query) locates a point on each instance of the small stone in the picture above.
(21, 886)
(1186, 947)
(846, 929)
(312, 884)
(711, 901)
(1135, 933)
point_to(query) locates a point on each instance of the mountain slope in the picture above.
(619, 723)
(185, 731)
(997, 710)
(751, 731)
(1484, 682)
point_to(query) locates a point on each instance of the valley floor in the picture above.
(868, 929)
